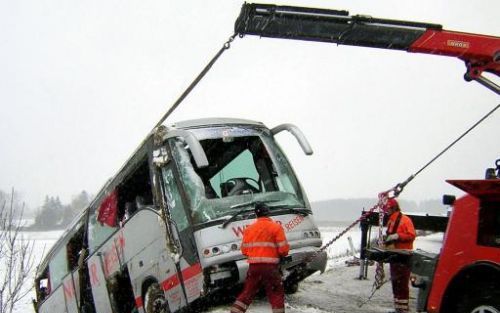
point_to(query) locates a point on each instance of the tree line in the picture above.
(53, 214)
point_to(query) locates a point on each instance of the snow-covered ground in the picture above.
(337, 290)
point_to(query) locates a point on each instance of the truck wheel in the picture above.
(485, 309)
(154, 300)
(484, 298)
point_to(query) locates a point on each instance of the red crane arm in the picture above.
(481, 53)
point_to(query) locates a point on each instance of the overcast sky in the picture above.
(83, 82)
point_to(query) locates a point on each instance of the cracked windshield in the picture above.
(245, 165)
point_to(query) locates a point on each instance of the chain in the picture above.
(379, 270)
(382, 200)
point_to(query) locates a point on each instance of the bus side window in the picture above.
(74, 248)
(43, 286)
(97, 232)
(135, 192)
(58, 267)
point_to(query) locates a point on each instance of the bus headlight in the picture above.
(312, 234)
(218, 250)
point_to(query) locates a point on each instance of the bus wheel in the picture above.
(291, 287)
(154, 300)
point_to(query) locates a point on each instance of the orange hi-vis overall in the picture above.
(264, 242)
(400, 273)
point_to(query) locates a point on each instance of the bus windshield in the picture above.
(245, 164)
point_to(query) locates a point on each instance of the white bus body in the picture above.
(165, 232)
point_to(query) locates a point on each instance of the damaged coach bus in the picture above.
(165, 231)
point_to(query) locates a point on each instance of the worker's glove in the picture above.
(392, 237)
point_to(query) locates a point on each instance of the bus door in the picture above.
(191, 276)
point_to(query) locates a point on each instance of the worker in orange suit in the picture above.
(400, 235)
(264, 243)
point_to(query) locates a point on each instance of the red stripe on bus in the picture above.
(170, 282)
(191, 271)
(187, 273)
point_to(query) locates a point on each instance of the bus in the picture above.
(165, 232)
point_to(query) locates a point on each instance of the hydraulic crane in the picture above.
(447, 283)
(481, 53)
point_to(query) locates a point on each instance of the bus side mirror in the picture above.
(299, 135)
(200, 158)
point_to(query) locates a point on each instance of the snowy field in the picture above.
(336, 291)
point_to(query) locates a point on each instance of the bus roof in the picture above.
(214, 121)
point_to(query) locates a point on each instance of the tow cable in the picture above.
(158, 128)
(198, 78)
(394, 192)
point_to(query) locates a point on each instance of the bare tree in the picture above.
(16, 255)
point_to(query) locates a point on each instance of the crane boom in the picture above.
(481, 53)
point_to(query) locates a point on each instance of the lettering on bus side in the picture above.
(296, 221)
(94, 277)
(112, 255)
(69, 292)
(238, 231)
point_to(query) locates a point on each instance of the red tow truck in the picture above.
(465, 276)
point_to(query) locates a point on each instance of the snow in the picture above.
(337, 290)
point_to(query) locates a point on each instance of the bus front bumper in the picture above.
(305, 260)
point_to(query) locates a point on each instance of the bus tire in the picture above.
(291, 287)
(155, 301)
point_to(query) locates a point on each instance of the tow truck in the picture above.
(465, 276)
